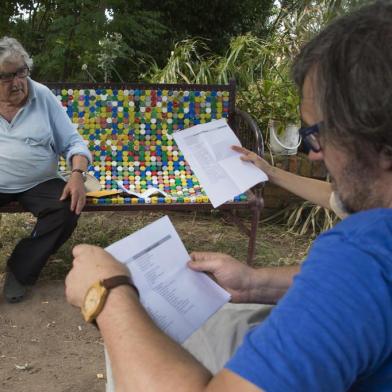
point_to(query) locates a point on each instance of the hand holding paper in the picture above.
(221, 172)
(178, 299)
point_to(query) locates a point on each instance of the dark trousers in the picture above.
(55, 224)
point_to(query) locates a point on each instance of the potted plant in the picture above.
(280, 114)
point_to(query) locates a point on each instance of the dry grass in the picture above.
(199, 231)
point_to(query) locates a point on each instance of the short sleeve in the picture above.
(331, 327)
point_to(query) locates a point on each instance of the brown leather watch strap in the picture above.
(118, 280)
(78, 171)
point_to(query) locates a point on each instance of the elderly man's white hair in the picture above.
(11, 48)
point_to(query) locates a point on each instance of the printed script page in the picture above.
(221, 172)
(178, 299)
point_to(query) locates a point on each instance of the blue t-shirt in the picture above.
(332, 331)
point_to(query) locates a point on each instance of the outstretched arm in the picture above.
(316, 191)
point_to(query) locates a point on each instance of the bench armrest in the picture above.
(251, 138)
(248, 132)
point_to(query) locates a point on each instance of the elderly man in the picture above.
(34, 132)
(331, 330)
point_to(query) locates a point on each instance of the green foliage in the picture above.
(273, 99)
(265, 87)
(261, 66)
(112, 48)
(185, 64)
(64, 35)
(191, 61)
(174, 41)
(216, 21)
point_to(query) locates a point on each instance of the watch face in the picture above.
(94, 301)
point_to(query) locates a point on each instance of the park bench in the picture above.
(128, 128)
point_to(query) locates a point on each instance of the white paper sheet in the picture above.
(221, 172)
(146, 194)
(178, 299)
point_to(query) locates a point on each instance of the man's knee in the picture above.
(67, 217)
(58, 216)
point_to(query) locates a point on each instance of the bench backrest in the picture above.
(129, 129)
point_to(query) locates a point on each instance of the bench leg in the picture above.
(251, 232)
(256, 211)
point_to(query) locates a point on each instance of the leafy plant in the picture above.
(260, 66)
(185, 64)
(111, 49)
(273, 99)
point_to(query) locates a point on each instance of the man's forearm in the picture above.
(143, 358)
(269, 284)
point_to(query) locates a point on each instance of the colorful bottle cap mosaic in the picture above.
(129, 133)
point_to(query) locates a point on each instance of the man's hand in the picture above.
(75, 189)
(245, 284)
(250, 156)
(90, 264)
(232, 275)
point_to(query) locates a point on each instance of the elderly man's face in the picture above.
(15, 91)
(352, 179)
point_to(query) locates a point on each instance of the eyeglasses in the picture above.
(310, 137)
(21, 73)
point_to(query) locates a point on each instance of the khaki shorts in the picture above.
(216, 341)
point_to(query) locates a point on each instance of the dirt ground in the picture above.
(46, 346)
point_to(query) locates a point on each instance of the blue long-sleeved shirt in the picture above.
(31, 144)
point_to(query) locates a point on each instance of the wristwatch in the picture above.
(82, 172)
(96, 295)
